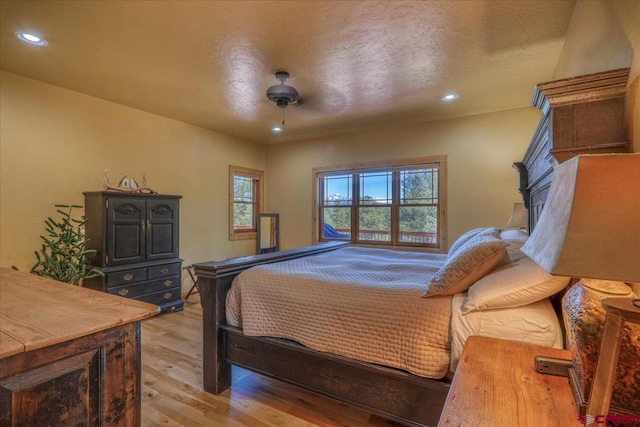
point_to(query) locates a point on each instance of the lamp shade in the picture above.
(590, 226)
(518, 217)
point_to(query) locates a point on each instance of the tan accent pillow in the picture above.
(514, 285)
(470, 262)
(491, 231)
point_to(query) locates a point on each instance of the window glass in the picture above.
(245, 201)
(396, 204)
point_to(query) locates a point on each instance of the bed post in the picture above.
(214, 281)
(217, 372)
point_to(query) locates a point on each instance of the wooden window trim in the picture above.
(369, 167)
(259, 190)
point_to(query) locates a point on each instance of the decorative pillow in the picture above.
(516, 284)
(469, 263)
(514, 235)
(515, 238)
(492, 231)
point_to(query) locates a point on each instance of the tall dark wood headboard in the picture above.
(581, 115)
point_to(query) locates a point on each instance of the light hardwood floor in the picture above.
(172, 393)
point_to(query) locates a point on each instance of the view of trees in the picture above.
(243, 202)
(418, 211)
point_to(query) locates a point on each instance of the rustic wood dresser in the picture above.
(69, 356)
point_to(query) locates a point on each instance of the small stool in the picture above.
(195, 287)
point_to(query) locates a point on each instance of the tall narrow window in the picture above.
(245, 197)
(374, 206)
(336, 203)
(392, 204)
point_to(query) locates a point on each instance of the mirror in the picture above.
(268, 239)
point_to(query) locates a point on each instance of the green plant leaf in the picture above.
(63, 255)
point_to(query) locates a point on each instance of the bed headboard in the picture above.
(581, 115)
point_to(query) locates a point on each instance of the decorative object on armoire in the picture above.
(64, 255)
(136, 239)
(518, 218)
(128, 185)
(590, 229)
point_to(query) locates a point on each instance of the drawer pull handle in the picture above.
(167, 283)
(166, 296)
(127, 277)
(164, 271)
(123, 292)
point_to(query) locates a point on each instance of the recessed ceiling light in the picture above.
(450, 97)
(277, 129)
(30, 38)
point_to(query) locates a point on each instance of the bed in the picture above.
(508, 298)
(375, 328)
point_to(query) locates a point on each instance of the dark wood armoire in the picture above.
(136, 237)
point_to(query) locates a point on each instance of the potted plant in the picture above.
(64, 256)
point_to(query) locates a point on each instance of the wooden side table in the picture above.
(68, 355)
(496, 384)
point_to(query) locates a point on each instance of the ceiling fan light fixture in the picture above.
(282, 94)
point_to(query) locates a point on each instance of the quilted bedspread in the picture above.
(360, 303)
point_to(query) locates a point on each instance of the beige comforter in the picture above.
(361, 303)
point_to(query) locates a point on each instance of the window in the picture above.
(393, 204)
(245, 199)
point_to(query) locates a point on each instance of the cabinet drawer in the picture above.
(162, 297)
(126, 277)
(137, 289)
(164, 270)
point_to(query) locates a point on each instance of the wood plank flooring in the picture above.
(172, 393)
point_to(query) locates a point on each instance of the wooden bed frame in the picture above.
(388, 392)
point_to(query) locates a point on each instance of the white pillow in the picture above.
(514, 234)
(516, 284)
(515, 238)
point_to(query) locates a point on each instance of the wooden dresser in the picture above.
(496, 384)
(136, 237)
(69, 356)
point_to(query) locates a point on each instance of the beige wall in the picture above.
(55, 144)
(482, 185)
(605, 35)
(602, 35)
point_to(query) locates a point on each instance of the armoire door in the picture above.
(126, 225)
(162, 232)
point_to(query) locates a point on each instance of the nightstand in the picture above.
(496, 384)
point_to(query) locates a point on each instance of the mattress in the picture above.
(361, 303)
(535, 323)
(366, 304)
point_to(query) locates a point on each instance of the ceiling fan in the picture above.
(282, 94)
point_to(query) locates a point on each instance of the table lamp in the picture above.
(518, 218)
(590, 229)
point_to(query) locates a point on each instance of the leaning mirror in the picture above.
(268, 239)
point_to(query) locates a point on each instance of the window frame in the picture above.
(258, 190)
(396, 166)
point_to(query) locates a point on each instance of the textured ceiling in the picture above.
(356, 64)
